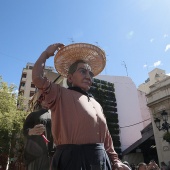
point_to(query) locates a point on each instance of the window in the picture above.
(32, 85)
(30, 67)
(24, 75)
(22, 84)
(31, 93)
(21, 93)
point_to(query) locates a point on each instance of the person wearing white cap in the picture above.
(79, 127)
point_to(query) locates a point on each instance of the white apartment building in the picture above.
(132, 109)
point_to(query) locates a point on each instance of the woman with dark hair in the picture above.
(39, 142)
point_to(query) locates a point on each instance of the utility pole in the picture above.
(106, 65)
(71, 39)
(125, 68)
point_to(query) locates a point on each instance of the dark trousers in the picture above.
(80, 157)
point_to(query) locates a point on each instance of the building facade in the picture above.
(157, 88)
(159, 100)
(132, 109)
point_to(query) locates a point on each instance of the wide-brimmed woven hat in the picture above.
(91, 54)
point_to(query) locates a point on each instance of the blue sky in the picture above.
(133, 33)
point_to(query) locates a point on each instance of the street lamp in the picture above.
(165, 125)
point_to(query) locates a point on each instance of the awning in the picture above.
(147, 133)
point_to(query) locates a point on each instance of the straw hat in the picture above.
(91, 54)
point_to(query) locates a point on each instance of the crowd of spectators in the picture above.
(152, 165)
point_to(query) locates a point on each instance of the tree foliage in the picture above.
(11, 121)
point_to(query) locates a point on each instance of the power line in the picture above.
(12, 57)
(135, 123)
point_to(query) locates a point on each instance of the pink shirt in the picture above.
(75, 119)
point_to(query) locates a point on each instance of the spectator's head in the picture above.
(163, 164)
(127, 163)
(152, 165)
(133, 166)
(142, 166)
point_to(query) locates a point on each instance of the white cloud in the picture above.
(167, 47)
(168, 74)
(165, 35)
(145, 65)
(130, 34)
(157, 63)
(152, 39)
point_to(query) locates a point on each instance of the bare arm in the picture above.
(37, 72)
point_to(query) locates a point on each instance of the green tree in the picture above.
(11, 123)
